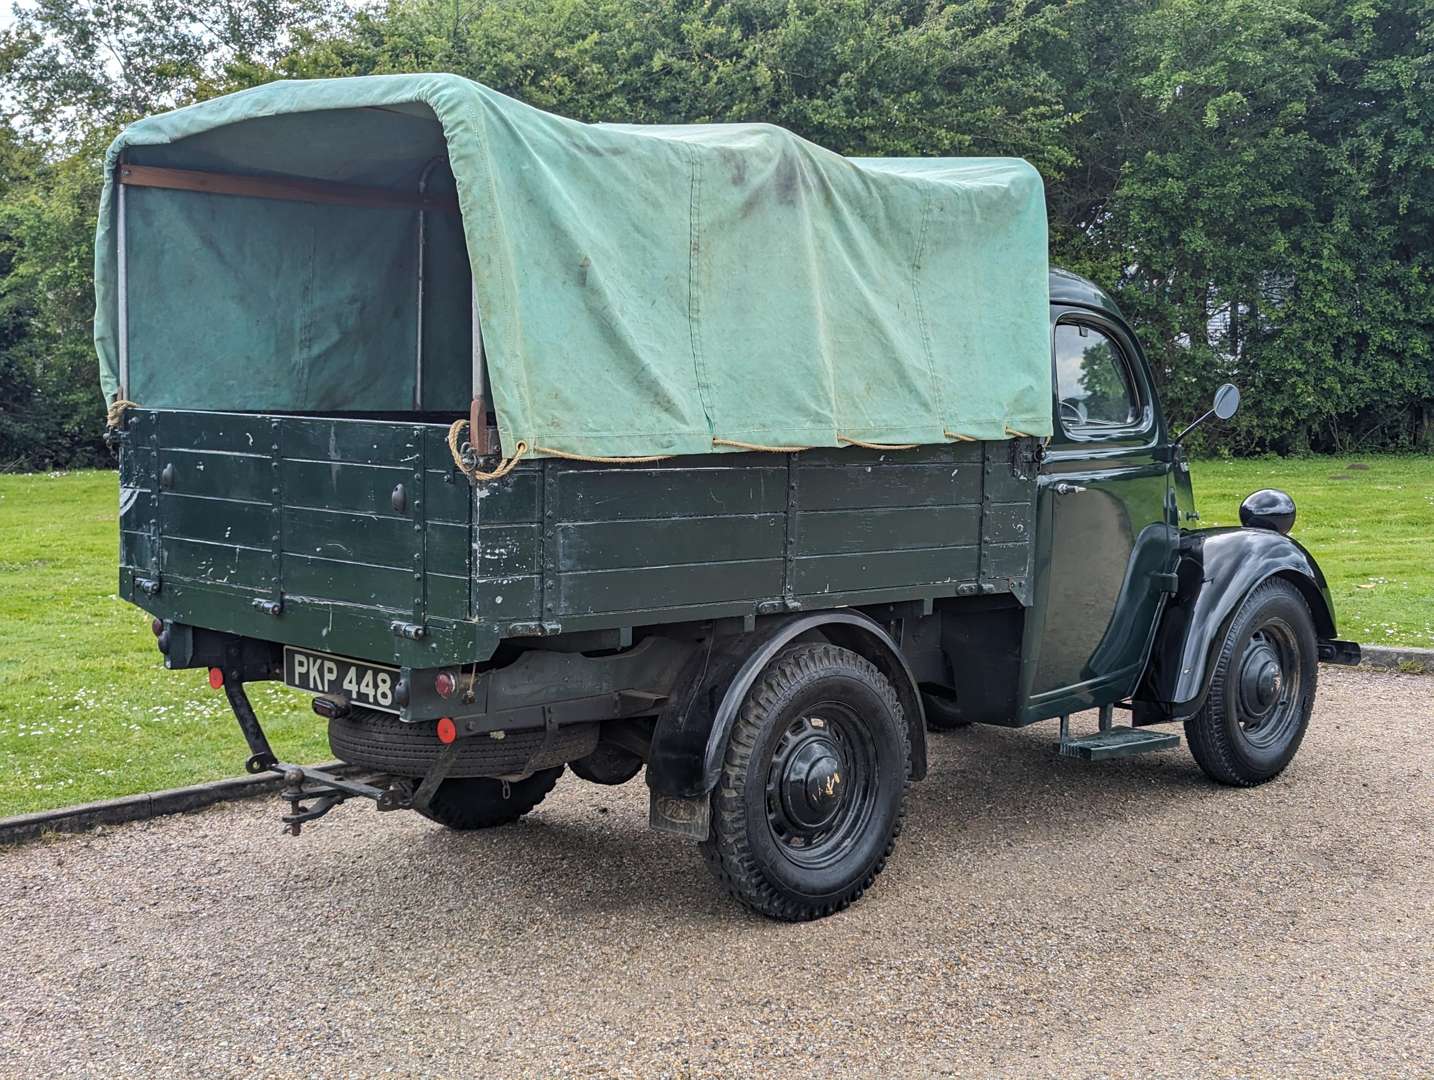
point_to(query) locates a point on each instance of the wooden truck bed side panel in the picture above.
(227, 510)
(361, 529)
(566, 546)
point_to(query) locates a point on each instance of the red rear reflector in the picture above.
(216, 678)
(447, 731)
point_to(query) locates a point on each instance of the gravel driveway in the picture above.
(1041, 917)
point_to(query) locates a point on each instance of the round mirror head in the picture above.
(1227, 401)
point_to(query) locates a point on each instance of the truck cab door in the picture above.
(1107, 531)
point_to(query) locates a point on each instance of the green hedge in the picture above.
(1254, 179)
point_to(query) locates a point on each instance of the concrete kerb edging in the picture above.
(177, 800)
(1389, 658)
(153, 804)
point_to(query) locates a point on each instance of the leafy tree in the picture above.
(1252, 177)
(1239, 187)
(49, 409)
(879, 77)
(74, 66)
(73, 72)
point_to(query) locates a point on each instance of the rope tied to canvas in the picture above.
(465, 460)
(463, 457)
(114, 415)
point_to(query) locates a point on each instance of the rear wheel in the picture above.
(481, 802)
(1262, 689)
(813, 785)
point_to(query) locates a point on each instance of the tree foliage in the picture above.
(1253, 178)
(78, 65)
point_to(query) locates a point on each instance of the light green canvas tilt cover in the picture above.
(641, 289)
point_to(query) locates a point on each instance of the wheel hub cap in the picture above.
(812, 782)
(1261, 681)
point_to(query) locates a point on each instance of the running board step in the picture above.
(1117, 742)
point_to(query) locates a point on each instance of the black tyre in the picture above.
(1262, 689)
(385, 743)
(813, 786)
(942, 711)
(481, 803)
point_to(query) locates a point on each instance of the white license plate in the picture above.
(333, 676)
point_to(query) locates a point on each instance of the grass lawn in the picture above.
(87, 711)
(1371, 530)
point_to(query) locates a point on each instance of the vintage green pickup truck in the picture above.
(522, 444)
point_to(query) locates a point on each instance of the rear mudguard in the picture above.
(691, 736)
(1217, 569)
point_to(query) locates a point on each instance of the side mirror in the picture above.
(1227, 403)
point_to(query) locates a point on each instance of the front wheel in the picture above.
(813, 785)
(1261, 692)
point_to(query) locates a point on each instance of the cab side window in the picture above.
(1093, 381)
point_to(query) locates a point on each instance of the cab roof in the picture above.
(1069, 288)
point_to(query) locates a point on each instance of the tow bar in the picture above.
(304, 784)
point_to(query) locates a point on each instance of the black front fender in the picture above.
(691, 736)
(1217, 569)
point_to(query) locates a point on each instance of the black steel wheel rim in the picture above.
(1268, 684)
(821, 785)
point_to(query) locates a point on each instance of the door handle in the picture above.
(1068, 489)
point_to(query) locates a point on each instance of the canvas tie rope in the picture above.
(455, 431)
(114, 415)
(877, 445)
(758, 446)
(602, 460)
(477, 475)
(506, 466)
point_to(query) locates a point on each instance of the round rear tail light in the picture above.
(157, 627)
(445, 683)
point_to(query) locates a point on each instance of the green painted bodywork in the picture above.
(228, 512)
(1102, 547)
(1036, 575)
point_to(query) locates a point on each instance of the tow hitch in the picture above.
(322, 788)
(327, 791)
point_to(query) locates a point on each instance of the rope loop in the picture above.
(462, 457)
(877, 445)
(758, 446)
(598, 460)
(114, 415)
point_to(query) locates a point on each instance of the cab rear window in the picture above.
(1093, 380)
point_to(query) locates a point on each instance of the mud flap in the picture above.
(690, 818)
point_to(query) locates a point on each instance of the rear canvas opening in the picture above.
(277, 301)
